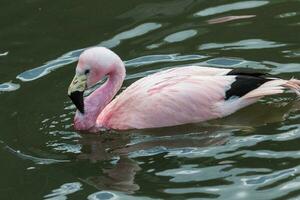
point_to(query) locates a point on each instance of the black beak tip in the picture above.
(77, 99)
(81, 110)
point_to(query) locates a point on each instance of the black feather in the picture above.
(244, 84)
(247, 72)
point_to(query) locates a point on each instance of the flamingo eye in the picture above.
(86, 71)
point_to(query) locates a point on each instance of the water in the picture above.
(253, 154)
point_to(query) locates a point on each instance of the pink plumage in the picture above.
(172, 97)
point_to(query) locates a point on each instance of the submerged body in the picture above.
(172, 97)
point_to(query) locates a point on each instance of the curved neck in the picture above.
(96, 102)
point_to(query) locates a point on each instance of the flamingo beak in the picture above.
(76, 90)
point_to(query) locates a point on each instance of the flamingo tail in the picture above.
(276, 86)
(294, 85)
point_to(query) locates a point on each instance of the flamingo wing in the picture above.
(171, 97)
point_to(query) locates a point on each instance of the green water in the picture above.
(253, 154)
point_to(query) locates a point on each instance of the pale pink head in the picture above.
(94, 63)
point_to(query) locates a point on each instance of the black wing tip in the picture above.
(244, 84)
(248, 72)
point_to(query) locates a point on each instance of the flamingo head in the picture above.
(94, 63)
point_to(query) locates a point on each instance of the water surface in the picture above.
(253, 154)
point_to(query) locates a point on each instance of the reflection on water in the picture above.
(180, 36)
(230, 7)
(72, 56)
(156, 10)
(129, 152)
(288, 14)
(228, 19)
(36, 160)
(4, 54)
(7, 87)
(50, 66)
(175, 37)
(151, 59)
(243, 44)
(109, 195)
(135, 32)
(63, 191)
(279, 68)
(119, 178)
(291, 53)
(124, 149)
(253, 154)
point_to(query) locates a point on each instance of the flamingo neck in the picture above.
(97, 101)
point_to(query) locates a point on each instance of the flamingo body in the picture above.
(175, 96)
(172, 97)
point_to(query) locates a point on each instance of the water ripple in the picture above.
(279, 68)
(230, 149)
(243, 44)
(72, 56)
(258, 180)
(270, 154)
(64, 190)
(36, 160)
(228, 19)
(8, 87)
(38, 72)
(292, 53)
(113, 195)
(135, 32)
(151, 59)
(230, 7)
(288, 14)
(190, 173)
(4, 53)
(66, 148)
(180, 36)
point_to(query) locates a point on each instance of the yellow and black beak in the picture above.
(76, 90)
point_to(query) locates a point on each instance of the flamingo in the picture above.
(175, 96)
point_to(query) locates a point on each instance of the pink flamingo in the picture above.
(172, 97)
